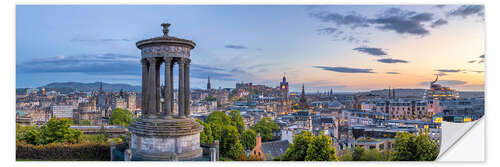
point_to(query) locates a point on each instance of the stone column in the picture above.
(187, 92)
(167, 104)
(180, 97)
(171, 86)
(152, 87)
(144, 86)
(157, 86)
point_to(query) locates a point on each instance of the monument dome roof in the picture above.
(165, 39)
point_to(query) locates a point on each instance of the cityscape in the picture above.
(169, 104)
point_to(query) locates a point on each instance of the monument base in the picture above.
(165, 139)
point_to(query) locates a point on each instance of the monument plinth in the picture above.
(159, 134)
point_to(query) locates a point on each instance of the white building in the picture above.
(62, 111)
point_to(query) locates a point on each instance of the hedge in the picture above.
(63, 152)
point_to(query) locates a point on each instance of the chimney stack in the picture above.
(258, 140)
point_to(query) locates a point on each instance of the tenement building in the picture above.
(159, 134)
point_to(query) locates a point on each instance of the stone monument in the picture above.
(159, 134)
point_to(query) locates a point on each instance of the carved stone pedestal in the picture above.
(162, 139)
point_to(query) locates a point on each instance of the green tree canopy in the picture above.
(218, 117)
(321, 149)
(219, 126)
(248, 139)
(361, 154)
(237, 120)
(298, 150)
(307, 147)
(121, 117)
(230, 143)
(54, 131)
(85, 122)
(266, 126)
(346, 155)
(206, 136)
(210, 98)
(357, 153)
(409, 147)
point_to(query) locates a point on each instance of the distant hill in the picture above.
(66, 87)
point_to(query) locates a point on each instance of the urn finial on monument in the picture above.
(165, 28)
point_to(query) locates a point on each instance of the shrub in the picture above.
(63, 152)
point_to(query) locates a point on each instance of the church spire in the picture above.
(208, 83)
(303, 101)
(393, 93)
(389, 93)
(303, 92)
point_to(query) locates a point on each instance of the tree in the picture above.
(206, 136)
(346, 155)
(85, 122)
(298, 150)
(210, 98)
(237, 120)
(321, 149)
(29, 134)
(54, 131)
(357, 153)
(59, 131)
(121, 117)
(248, 139)
(218, 117)
(409, 147)
(372, 155)
(230, 143)
(97, 138)
(219, 126)
(266, 126)
(361, 154)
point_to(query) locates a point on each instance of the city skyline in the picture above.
(344, 47)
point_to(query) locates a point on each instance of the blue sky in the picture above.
(344, 47)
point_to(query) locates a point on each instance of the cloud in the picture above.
(235, 47)
(339, 35)
(403, 21)
(465, 11)
(345, 69)
(441, 74)
(203, 71)
(240, 72)
(95, 64)
(259, 66)
(479, 72)
(446, 83)
(438, 23)
(392, 72)
(440, 6)
(111, 64)
(352, 20)
(101, 40)
(329, 30)
(371, 51)
(450, 70)
(481, 60)
(390, 60)
(392, 19)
